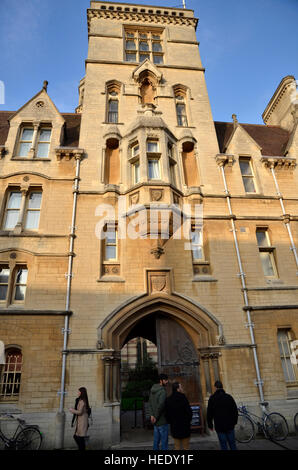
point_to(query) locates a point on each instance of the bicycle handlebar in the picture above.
(7, 415)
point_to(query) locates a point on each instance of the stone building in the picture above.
(139, 216)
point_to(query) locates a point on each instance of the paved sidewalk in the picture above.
(138, 439)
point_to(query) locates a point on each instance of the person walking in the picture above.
(222, 409)
(81, 412)
(179, 414)
(157, 399)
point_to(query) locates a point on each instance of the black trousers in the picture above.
(80, 442)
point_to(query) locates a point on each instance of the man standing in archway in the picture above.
(157, 400)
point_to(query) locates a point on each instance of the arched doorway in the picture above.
(185, 333)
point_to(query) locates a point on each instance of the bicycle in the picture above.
(273, 425)
(25, 437)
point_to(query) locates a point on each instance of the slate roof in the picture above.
(272, 139)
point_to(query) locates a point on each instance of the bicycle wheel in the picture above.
(28, 439)
(276, 427)
(244, 429)
(296, 422)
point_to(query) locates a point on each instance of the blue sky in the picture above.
(247, 47)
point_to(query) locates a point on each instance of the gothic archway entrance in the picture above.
(186, 335)
(176, 356)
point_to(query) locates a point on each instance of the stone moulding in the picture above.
(140, 17)
(68, 152)
(278, 162)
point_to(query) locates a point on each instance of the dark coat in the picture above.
(178, 414)
(222, 409)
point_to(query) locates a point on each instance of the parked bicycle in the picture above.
(273, 425)
(25, 437)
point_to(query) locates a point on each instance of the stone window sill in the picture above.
(110, 279)
(204, 279)
(36, 159)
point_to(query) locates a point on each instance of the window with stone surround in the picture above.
(22, 209)
(113, 89)
(34, 141)
(13, 284)
(180, 93)
(153, 159)
(285, 337)
(196, 237)
(266, 251)
(10, 381)
(247, 174)
(142, 44)
(110, 264)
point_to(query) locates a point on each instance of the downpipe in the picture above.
(60, 417)
(250, 325)
(287, 224)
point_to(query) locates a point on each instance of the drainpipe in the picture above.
(250, 325)
(287, 220)
(60, 418)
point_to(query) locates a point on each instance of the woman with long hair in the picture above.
(81, 412)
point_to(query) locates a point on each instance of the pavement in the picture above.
(140, 439)
(135, 437)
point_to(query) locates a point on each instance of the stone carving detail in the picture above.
(158, 282)
(185, 353)
(111, 269)
(134, 198)
(176, 198)
(156, 194)
(40, 104)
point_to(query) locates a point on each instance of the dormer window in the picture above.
(25, 143)
(34, 141)
(43, 145)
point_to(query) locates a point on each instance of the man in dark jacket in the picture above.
(157, 400)
(222, 409)
(179, 414)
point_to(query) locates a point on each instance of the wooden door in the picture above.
(177, 357)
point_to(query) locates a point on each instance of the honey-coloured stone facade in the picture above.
(86, 296)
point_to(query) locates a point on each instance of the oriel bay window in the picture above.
(13, 284)
(153, 158)
(22, 209)
(34, 141)
(134, 160)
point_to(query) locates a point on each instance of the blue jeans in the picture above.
(226, 438)
(161, 436)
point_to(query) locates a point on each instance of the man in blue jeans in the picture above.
(222, 409)
(157, 400)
